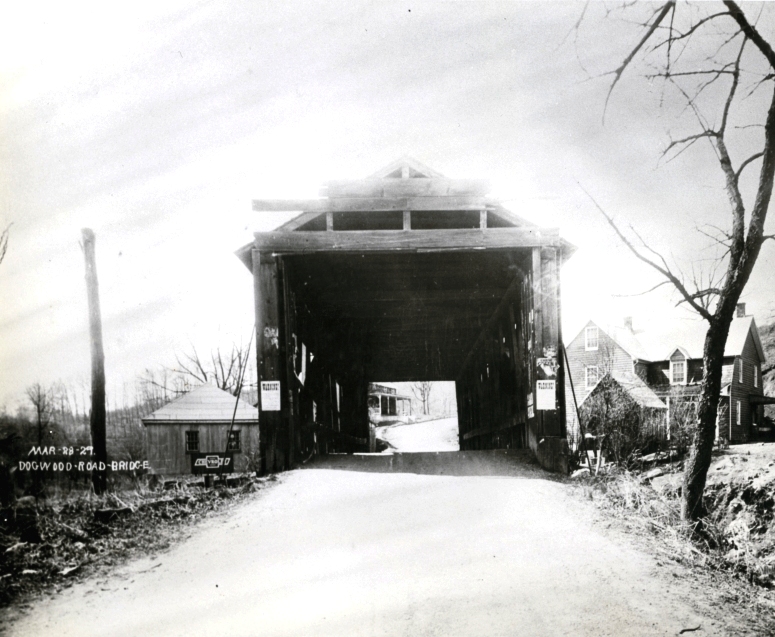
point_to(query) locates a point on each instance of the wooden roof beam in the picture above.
(374, 204)
(401, 240)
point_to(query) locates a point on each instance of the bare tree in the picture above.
(40, 398)
(713, 88)
(4, 241)
(422, 392)
(225, 368)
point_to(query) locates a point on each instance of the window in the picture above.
(234, 443)
(678, 368)
(678, 372)
(755, 376)
(739, 414)
(590, 373)
(591, 338)
(192, 441)
(740, 376)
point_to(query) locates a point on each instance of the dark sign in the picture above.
(381, 389)
(214, 462)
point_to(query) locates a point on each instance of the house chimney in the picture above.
(628, 323)
(740, 310)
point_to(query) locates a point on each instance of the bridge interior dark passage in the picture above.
(404, 316)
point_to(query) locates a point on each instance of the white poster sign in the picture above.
(270, 395)
(545, 395)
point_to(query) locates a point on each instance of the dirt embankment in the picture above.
(740, 498)
(737, 535)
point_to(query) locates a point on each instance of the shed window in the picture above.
(590, 373)
(234, 443)
(591, 338)
(192, 441)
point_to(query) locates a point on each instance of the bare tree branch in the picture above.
(753, 157)
(662, 269)
(4, 241)
(623, 66)
(750, 31)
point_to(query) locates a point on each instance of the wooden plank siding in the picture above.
(608, 357)
(749, 363)
(167, 444)
(493, 384)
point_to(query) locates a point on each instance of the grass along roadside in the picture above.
(737, 533)
(729, 570)
(82, 534)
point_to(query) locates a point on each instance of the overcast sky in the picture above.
(156, 123)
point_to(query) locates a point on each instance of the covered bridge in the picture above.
(406, 276)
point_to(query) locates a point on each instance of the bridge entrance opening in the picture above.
(346, 296)
(414, 417)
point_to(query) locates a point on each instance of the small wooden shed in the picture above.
(200, 423)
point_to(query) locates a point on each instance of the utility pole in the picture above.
(97, 417)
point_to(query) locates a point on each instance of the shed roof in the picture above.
(634, 387)
(204, 404)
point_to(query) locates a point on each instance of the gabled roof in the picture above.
(633, 386)
(692, 344)
(404, 206)
(408, 166)
(681, 351)
(652, 347)
(623, 337)
(205, 404)
(738, 334)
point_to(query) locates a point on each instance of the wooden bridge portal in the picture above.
(403, 276)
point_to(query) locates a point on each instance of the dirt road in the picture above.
(432, 435)
(345, 553)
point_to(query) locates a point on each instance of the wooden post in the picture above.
(291, 412)
(267, 304)
(97, 417)
(547, 329)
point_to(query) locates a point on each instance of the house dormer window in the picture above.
(591, 338)
(677, 368)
